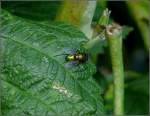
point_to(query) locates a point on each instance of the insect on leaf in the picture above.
(34, 81)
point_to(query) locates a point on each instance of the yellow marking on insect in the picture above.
(80, 56)
(70, 57)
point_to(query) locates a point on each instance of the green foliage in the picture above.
(38, 11)
(100, 7)
(137, 96)
(142, 19)
(125, 31)
(35, 81)
(97, 44)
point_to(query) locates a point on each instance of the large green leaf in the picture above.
(35, 81)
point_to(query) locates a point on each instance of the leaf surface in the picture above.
(35, 80)
(37, 11)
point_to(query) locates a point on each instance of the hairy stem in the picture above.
(114, 36)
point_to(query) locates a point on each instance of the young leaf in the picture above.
(125, 31)
(35, 81)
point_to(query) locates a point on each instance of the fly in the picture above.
(78, 57)
(74, 57)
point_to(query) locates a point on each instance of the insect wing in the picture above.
(71, 64)
(69, 51)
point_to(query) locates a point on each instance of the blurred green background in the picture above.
(133, 13)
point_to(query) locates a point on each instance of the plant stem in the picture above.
(114, 36)
(79, 13)
(87, 17)
(71, 11)
(102, 21)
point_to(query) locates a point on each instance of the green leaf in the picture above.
(100, 6)
(125, 31)
(35, 10)
(35, 81)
